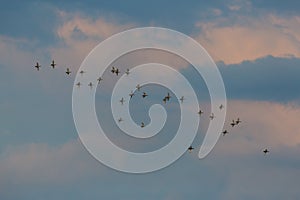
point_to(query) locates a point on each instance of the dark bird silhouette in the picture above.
(37, 66)
(127, 72)
(225, 132)
(91, 85)
(68, 71)
(142, 125)
(99, 80)
(82, 72)
(181, 99)
(131, 94)
(78, 84)
(233, 123)
(144, 94)
(164, 100)
(212, 116)
(221, 106)
(238, 121)
(168, 96)
(120, 119)
(122, 101)
(266, 151)
(113, 70)
(190, 149)
(117, 71)
(138, 87)
(200, 112)
(53, 64)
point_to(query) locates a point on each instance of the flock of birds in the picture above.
(115, 70)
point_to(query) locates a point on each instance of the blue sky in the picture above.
(256, 46)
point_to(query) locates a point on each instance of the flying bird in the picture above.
(120, 119)
(181, 99)
(122, 101)
(190, 149)
(78, 84)
(138, 87)
(117, 71)
(90, 84)
(212, 116)
(238, 121)
(164, 100)
(68, 71)
(127, 72)
(53, 64)
(168, 97)
(221, 106)
(144, 94)
(142, 125)
(37, 66)
(233, 123)
(131, 94)
(225, 132)
(82, 72)
(266, 151)
(99, 80)
(200, 112)
(113, 70)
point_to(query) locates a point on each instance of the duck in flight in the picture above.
(117, 71)
(225, 132)
(91, 85)
(53, 64)
(144, 94)
(190, 149)
(181, 99)
(142, 125)
(200, 112)
(266, 151)
(37, 66)
(138, 87)
(99, 80)
(78, 84)
(122, 101)
(131, 94)
(238, 121)
(232, 123)
(212, 116)
(165, 100)
(127, 72)
(113, 70)
(221, 106)
(168, 96)
(82, 72)
(68, 71)
(120, 119)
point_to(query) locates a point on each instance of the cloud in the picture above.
(239, 38)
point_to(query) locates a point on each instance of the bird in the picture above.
(138, 87)
(200, 112)
(117, 71)
(53, 64)
(144, 94)
(238, 121)
(78, 84)
(225, 132)
(142, 125)
(212, 116)
(99, 80)
(168, 96)
(131, 94)
(233, 123)
(37, 66)
(181, 99)
(122, 101)
(266, 151)
(82, 72)
(90, 84)
(68, 71)
(221, 106)
(113, 70)
(120, 119)
(127, 72)
(164, 100)
(190, 149)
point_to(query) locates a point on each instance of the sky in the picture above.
(255, 45)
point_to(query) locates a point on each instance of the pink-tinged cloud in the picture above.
(249, 38)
